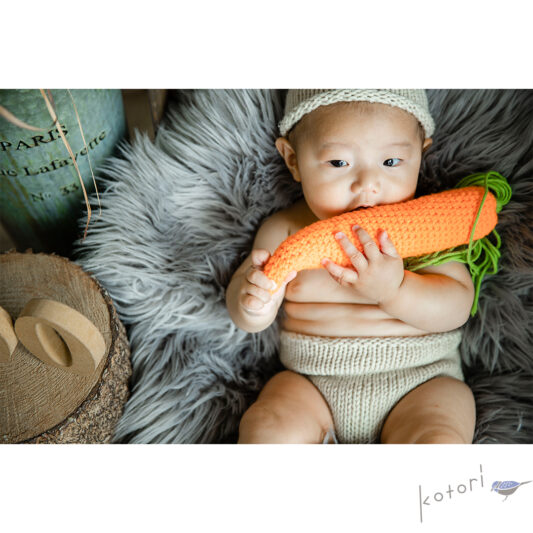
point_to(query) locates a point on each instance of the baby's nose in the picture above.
(366, 182)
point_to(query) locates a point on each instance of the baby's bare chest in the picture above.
(315, 304)
(317, 285)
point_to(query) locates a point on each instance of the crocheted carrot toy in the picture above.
(451, 225)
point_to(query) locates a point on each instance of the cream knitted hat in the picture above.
(302, 101)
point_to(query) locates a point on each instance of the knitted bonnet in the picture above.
(302, 101)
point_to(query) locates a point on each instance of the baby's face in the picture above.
(349, 155)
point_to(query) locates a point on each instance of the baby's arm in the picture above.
(437, 299)
(434, 299)
(248, 300)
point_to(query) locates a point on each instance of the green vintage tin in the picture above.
(41, 199)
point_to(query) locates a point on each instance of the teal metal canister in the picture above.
(41, 198)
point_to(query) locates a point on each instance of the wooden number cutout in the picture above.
(60, 336)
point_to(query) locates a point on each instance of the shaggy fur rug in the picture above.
(179, 216)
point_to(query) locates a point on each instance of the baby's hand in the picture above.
(254, 295)
(376, 274)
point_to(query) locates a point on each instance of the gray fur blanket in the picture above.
(179, 216)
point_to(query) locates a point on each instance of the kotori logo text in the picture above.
(444, 495)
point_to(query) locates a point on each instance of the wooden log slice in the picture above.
(40, 403)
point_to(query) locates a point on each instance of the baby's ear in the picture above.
(289, 156)
(427, 143)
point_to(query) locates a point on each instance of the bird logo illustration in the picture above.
(507, 487)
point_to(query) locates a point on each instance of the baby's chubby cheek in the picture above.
(323, 209)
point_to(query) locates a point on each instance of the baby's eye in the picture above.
(338, 163)
(392, 162)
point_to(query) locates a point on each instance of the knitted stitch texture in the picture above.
(299, 102)
(362, 378)
(416, 227)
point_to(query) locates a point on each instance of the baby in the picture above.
(371, 351)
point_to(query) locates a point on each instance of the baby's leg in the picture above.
(289, 409)
(440, 411)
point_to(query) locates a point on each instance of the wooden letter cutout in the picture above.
(8, 338)
(60, 336)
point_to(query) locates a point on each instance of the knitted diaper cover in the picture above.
(362, 378)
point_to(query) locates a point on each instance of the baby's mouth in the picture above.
(362, 206)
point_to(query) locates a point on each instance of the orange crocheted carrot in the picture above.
(416, 227)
